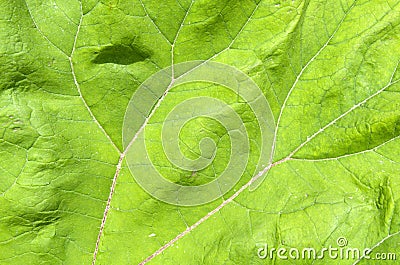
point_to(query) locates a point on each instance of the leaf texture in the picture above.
(328, 69)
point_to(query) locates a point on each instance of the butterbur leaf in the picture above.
(289, 110)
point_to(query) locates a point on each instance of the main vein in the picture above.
(123, 154)
(78, 87)
(289, 157)
(303, 69)
(70, 56)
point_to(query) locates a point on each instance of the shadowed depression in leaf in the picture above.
(120, 54)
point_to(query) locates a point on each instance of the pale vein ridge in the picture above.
(225, 49)
(261, 173)
(348, 155)
(301, 73)
(377, 245)
(108, 204)
(211, 213)
(41, 32)
(72, 68)
(153, 22)
(123, 154)
(78, 87)
(112, 189)
(289, 157)
(341, 116)
(174, 42)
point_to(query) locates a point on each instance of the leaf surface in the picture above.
(329, 70)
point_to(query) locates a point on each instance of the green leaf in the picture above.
(329, 71)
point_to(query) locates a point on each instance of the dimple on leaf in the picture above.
(120, 54)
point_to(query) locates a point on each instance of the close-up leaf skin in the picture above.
(199, 132)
